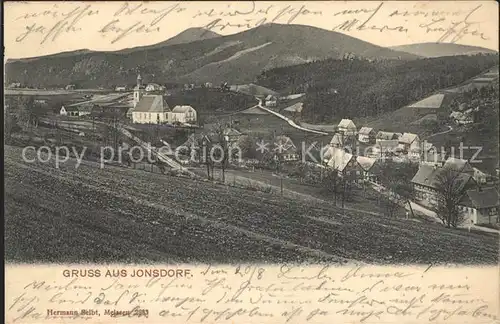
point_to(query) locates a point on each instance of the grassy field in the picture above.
(123, 215)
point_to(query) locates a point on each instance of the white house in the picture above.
(154, 87)
(271, 101)
(368, 167)
(337, 140)
(75, 110)
(366, 135)
(121, 88)
(151, 109)
(340, 160)
(347, 127)
(183, 114)
(285, 150)
(480, 206)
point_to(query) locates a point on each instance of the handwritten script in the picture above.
(251, 293)
(126, 19)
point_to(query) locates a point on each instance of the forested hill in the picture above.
(360, 88)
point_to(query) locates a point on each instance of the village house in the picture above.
(271, 101)
(76, 110)
(183, 114)
(347, 127)
(154, 87)
(231, 135)
(410, 143)
(151, 109)
(369, 168)
(121, 88)
(366, 135)
(340, 160)
(386, 136)
(480, 206)
(15, 85)
(463, 118)
(383, 149)
(208, 85)
(426, 182)
(480, 176)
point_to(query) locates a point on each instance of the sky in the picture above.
(42, 28)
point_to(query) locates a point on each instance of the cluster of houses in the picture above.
(480, 199)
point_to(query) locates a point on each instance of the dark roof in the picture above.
(483, 198)
(427, 175)
(365, 130)
(151, 103)
(386, 135)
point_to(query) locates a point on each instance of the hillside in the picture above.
(442, 49)
(66, 214)
(359, 88)
(236, 58)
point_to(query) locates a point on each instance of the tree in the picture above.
(449, 187)
(28, 112)
(330, 182)
(222, 153)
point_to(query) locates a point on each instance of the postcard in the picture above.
(251, 162)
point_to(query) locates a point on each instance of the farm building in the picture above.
(480, 205)
(70, 87)
(151, 109)
(183, 114)
(366, 135)
(347, 127)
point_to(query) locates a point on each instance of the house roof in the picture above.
(408, 138)
(428, 175)
(385, 135)
(270, 97)
(483, 197)
(458, 165)
(337, 140)
(347, 123)
(152, 104)
(337, 158)
(365, 163)
(365, 130)
(181, 109)
(70, 108)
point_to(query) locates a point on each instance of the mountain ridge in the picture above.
(441, 49)
(215, 59)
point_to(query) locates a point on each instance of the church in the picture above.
(154, 109)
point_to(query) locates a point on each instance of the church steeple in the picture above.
(139, 80)
(138, 90)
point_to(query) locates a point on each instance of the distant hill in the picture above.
(441, 49)
(358, 88)
(236, 59)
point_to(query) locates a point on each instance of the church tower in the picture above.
(138, 90)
